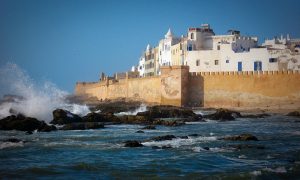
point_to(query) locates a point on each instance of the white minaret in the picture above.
(169, 34)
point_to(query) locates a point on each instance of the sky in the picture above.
(65, 41)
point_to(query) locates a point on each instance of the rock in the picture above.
(168, 122)
(246, 146)
(223, 115)
(47, 128)
(193, 135)
(183, 137)
(13, 140)
(206, 148)
(28, 133)
(100, 117)
(163, 138)
(150, 127)
(61, 117)
(255, 115)
(242, 137)
(82, 126)
(21, 123)
(170, 112)
(117, 106)
(162, 147)
(133, 143)
(294, 114)
(140, 131)
(132, 119)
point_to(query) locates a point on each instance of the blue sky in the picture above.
(65, 41)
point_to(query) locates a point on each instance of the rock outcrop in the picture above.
(133, 143)
(22, 123)
(61, 117)
(242, 137)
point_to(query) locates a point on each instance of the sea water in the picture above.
(101, 153)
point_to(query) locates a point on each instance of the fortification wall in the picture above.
(245, 89)
(176, 86)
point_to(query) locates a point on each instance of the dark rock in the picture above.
(163, 138)
(206, 148)
(21, 123)
(170, 112)
(168, 122)
(140, 131)
(47, 128)
(28, 133)
(13, 140)
(294, 114)
(255, 115)
(82, 126)
(246, 146)
(242, 137)
(116, 106)
(100, 117)
(61, 117)
(223, 115)
(131, 119)
(162, 147)
(150, 127)
(183, 137)
(132, 143)
(193, 135)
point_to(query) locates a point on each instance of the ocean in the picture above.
(100, 154)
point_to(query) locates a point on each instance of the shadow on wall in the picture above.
(196, 91)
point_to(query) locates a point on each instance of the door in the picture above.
(240, 66)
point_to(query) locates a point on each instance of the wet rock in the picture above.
(294, 114)
(47, 128)
(170, 112)
(162, 147)
(163, 138)
(117, 106)
(223, 115)
(100, 117)
(82, 126)
(28, 133)
(206, 148)
(168, 122)
(246, 146)
(61, 117)
(263, 115)
(183, 137)
(193, 135)
(242, 137)
(133, 143)
(21, 123)
(140, 131)
(150, 127)
(132, 119)
(12, 140)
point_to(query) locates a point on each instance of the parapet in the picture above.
(224, 73)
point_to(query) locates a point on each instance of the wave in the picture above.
(4, 145)
(30, 98)
(141, 108)
(178, 142)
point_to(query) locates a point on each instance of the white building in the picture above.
(164, 48)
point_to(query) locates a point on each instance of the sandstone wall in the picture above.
(245, 89)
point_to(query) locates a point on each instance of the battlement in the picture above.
(226, 73)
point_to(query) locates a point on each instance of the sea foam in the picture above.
(30, 98)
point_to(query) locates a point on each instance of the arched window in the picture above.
(192, 35)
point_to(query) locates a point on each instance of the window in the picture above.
(227, 61)
(216, 62)
(218, 47)
(273, 60)
(190, 47)
(192, 35)
(197, 62)
(257, 66)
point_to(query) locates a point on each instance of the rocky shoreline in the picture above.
(107, 113)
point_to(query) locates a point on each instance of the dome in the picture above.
(169, 34)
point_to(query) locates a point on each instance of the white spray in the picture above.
(37, 100)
